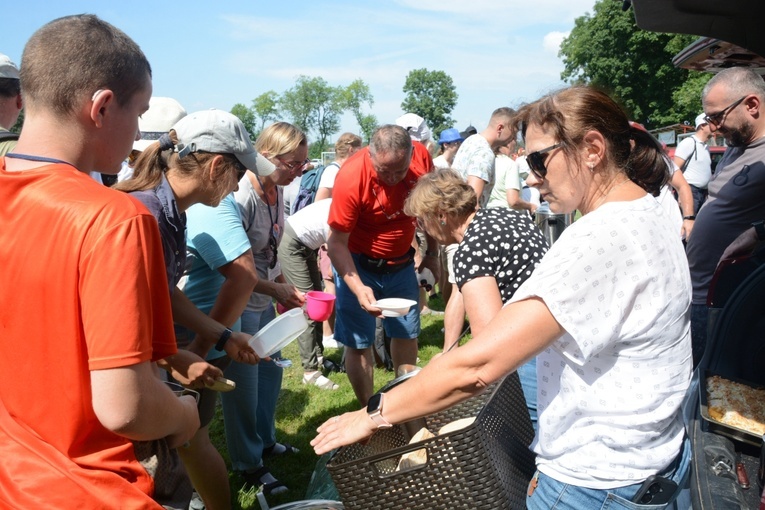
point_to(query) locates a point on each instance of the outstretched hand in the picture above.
(343, 430)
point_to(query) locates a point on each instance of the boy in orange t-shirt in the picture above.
(84, 307)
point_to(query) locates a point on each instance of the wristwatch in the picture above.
(691, 217)
(374, 410)
(223, 339)
(759, 229)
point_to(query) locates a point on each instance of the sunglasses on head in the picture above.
(536, 160)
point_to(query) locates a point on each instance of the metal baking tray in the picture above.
(713, 425)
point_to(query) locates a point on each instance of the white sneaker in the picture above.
(317, 379)
(330, 342)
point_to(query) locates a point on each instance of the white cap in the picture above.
(700, 119)
(220, 132)
(415, 125)
(7, 68)
(162, 115)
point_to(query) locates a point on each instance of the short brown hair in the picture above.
(390, 139)
(73, 57)
(441, 191)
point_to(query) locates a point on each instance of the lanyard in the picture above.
(42, 159)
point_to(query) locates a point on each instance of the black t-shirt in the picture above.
(502, 243)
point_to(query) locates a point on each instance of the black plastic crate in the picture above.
(484, 466)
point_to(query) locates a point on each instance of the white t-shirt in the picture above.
(505, 177)
(310, 223)
(610, 389)
(440, 162)
(476, 158)
(699, 169)
(328, 176)
(669, 203)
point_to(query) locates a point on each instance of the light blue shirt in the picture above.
(215, 237)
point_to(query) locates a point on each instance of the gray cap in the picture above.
(220, 132)
(7, 68)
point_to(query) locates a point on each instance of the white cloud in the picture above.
(551, 42)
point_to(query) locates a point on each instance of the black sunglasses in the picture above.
(718, 118)
(536, 160)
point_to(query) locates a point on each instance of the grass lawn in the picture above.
(301, 409)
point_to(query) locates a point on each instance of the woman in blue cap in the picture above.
(449, 141)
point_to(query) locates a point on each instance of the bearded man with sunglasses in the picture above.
(733, 102)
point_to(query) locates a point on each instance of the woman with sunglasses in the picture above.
(249, 411)
(194, 168)
(605, 312)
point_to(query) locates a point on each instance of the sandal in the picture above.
(288, 450)
(255, 479)
(317, 379)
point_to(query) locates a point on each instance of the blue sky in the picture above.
(216, 54)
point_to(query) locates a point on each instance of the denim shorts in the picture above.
(551, 494)
(354, 327)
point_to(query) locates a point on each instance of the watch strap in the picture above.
(759, 229)
(377, 417)
(223, 339)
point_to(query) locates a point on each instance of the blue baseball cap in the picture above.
(450, 135)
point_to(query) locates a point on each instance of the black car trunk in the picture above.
(736, 351)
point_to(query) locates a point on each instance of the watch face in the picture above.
(374, 403)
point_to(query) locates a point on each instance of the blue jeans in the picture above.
(699, 325)
(528, 375)
(551, 494)
(249, 410)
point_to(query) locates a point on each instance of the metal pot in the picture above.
(552, 225)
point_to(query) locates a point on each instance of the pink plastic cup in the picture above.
(280, 308)
(319, 305)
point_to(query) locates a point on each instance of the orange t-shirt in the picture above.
(82, 287)
(373, 212)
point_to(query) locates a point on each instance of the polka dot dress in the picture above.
(502, 243)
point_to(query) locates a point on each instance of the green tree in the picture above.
(431, 95)
(607, 50)
(266, 108)
(246, 116)
(313, 105)
(354, 97)
(16, 128)
(367, 124)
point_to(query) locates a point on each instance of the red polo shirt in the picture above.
(373, 212)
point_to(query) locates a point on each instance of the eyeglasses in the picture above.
(536, 160)
(382, 207)
(293, 165)
(718, 118)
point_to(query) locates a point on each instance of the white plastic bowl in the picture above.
(394, 307)
(279, 332)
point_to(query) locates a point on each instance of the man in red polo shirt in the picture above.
(370, 245)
